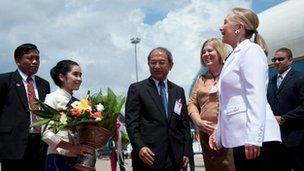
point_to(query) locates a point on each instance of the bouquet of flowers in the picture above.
(98, 108)
(93, 117)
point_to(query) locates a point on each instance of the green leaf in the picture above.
(40, 122)
(120, 101)
(43, 114)
(125, 139)
(47, 108)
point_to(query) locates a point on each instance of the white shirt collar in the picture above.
(285, 72)
(24, 76)
(241, 45)
(157, 82)
(63, 93)
(158, 88)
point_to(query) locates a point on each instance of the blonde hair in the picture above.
(251, 23)
(220, 48)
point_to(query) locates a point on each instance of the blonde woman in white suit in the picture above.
(246, 121)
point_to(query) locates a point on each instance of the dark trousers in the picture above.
(56, 162)
(283, 158)
(191, 162)
(274, 157)
(170, 165)
(242, 164)
(295, 157)
(270, 158)
(33, 159)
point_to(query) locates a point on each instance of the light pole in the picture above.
(135, 41)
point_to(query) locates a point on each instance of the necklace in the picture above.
(215, 77)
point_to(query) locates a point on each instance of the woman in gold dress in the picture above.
(203, 106)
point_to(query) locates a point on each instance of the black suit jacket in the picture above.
(15, 114)
(147, 124)
(288, 102)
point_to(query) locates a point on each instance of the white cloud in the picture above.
(97, 35)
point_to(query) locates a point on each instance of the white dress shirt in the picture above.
(58, 100)
(24, 77)
(158, 87)
(285, 73)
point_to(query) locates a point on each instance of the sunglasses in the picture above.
(277, 59)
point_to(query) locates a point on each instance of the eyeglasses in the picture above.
(278, 59)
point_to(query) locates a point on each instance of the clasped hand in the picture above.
(212, 142)
(206, 126)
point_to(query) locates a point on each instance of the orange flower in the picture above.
(96, 115)
(75, 111)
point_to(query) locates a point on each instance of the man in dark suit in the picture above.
(286, 98)
(156, 118)
(21, 148)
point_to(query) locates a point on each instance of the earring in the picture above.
(236, 32)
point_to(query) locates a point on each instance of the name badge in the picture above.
(178, 106)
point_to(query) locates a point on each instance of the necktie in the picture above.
(279, 80)
(163, 96)
(31, 100)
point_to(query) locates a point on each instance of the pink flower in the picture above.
(96, 115)
(75, 112)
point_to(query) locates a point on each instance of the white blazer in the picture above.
(245, 115)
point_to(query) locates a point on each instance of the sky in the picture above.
(97, 34)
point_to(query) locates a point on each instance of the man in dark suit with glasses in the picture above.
(286, 97)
